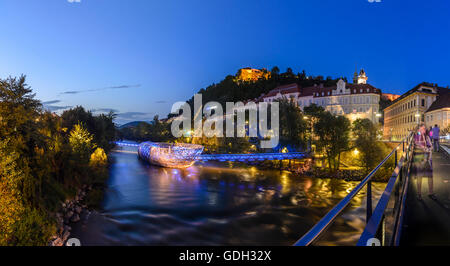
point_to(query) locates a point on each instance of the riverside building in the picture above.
(406, 112)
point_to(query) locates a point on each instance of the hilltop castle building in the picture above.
(252, 74)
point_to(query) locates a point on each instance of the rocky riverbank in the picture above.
(306, 167)
(70, 213)
(347, 175)
(295, 166)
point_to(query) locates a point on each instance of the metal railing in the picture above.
(377, 218)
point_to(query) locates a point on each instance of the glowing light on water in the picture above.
(174, 155)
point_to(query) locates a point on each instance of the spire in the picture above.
(362, 72)
(355, 75)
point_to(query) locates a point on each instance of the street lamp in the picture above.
(417, 115)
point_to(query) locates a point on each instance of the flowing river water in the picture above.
(216, 204)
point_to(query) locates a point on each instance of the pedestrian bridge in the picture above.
(400, 217)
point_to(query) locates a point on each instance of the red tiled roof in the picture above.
(416, 88)
(354, 89)
(307, 91)
(366, 88)
(442, 101)
(316, 91)
(285, 89)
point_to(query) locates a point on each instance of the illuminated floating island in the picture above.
(173, 155)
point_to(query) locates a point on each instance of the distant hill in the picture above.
(132, 124)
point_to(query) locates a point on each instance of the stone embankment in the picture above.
(70, 213)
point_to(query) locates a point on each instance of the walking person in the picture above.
(435, 137)
(422, 164)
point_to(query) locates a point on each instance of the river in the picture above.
(216, 204)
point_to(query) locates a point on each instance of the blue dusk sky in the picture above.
(138, 57)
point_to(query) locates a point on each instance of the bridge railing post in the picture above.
(400, 175)
(369, 201)
(382, 231)
(395, 158)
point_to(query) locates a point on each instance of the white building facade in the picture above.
(357, 100)
(408, 111)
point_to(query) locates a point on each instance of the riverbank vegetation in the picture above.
(45, 158)
(156, 130)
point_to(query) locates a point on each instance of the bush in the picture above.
(33, 229)
(98, 158)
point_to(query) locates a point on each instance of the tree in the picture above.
(275, 71)
(98, 158)
(445, 131)
(333, 137)
(11, 206)
(77, 115)
(292, 125)
(101, 126)
(20, 133)
(302, 76)
(365, 133)
(312, 113)
(104, 131)
(21, 223)
(81, 142)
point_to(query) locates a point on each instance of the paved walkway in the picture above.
(427, 222)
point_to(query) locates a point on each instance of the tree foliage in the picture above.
(80, 141)
(101, 126)
(292, 125)
(98, 158)
(156, 131)
(43, 159)
(365, 133)
(333, 137)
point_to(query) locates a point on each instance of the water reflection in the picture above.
(214, 204)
